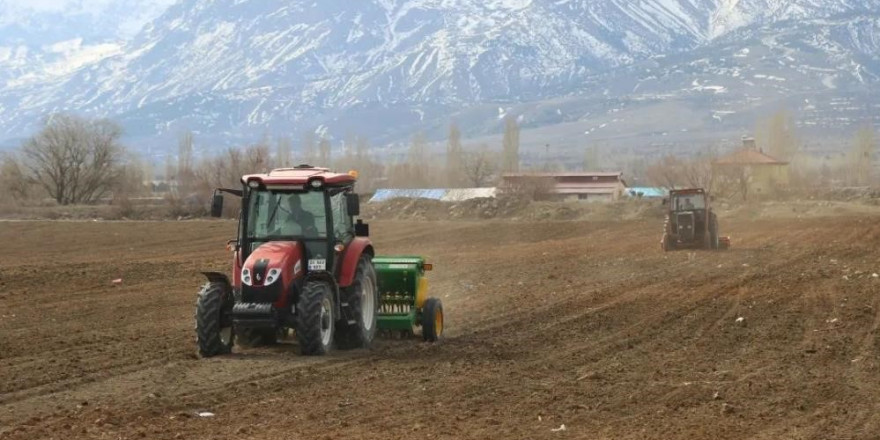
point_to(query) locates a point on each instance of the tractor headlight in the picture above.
(246, 276)
(274, 274)
(316, 183)
(253, 184)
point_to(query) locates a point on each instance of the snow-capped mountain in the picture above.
(385, 68)
(45, 41)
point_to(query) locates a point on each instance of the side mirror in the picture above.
(665, 201)
(361, 229)
(353, 202)
(217, 205)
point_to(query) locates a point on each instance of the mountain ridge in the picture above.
(386, 68)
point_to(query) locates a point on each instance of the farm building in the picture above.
(764, 172)
(584, 186)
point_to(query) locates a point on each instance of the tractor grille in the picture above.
(396, 304)
(685, 223)
(250, 309)
(261, 294)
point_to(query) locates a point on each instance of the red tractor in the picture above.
(691, 222)
(300, 262)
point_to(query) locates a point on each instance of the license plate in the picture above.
(317, 264)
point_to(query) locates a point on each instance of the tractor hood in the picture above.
(274, 262)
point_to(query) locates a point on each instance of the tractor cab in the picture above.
(688, 201)
(307, 205)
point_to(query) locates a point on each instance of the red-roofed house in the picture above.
(587, 186)
(764, 172)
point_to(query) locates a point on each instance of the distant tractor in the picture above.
(690, 222)
(301, 263)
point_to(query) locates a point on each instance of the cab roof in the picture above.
(687, 191)
(300, 175)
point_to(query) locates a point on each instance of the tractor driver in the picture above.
(297, 218)
(688, 205)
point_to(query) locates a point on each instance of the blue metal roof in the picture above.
(646, 192)
(382, 195)
(446, 195)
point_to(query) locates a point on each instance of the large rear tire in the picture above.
(361, 300)
(315, 319)
(214, 332)
(432, 320)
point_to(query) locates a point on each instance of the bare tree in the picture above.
(184, 175)
(591, 159)
(733, 180)
(309, 153)
(369, 171)
(170, 171)
(778, 134)
(479, 166)
(454, 157)
(226, 169)
(510, 145)
(73, 159)
(132, 182)
(14, 182)
(666, 173)
(671, 172)
(285, 145)
(862, 156)
(324, 153)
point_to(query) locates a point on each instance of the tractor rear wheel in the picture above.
(255, 337)
(432, 320)
(361, 300)
(315, 319)
(214, 321)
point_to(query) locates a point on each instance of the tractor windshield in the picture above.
(688, 202)
(286, 214)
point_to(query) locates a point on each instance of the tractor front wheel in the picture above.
(315, 319)
(666, 243)
(361, 300)
(213, 320)
(432, 320)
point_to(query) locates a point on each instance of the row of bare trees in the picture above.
(778, 138)
(75, 160)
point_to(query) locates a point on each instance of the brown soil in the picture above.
(582, 324)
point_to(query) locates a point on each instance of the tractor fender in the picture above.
(217, 277)
(350, 258)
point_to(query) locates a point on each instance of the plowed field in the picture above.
(582, 324)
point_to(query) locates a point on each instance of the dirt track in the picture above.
(583, 324)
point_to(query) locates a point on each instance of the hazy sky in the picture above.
(62, 5)
(128, 17)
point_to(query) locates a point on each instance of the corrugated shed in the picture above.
(646, 192)
(382, 195)
(447, 195)
(461, 194)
